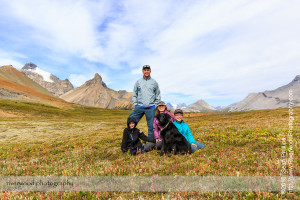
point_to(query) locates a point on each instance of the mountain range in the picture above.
(269, 99)
(47, 80)
(16, 85)
(33, 84)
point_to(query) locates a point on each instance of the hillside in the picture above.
(270, 99)
(9, 76)
(86, 142)
(15, 85)
(47, 80)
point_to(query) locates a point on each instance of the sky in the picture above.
(215, 50)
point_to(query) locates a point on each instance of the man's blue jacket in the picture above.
(146, 92)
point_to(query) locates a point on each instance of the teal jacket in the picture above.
(184, 129)
(146, 92)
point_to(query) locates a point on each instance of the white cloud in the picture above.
(203, 49)
(79, 79)
(16, 64)
(234, 65)
(61, 25)
(11, 58)
(216, 49)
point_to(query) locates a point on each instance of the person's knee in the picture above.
(149, 146)
(158, 144)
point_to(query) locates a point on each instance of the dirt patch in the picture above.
(28, 131)
(7, 114)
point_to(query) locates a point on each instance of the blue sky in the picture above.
(215, 50)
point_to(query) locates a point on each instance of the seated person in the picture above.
(184, 129)
(160, 108)
(132, 136)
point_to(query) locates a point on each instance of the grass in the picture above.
(83, 141)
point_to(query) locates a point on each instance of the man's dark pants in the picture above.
(139, 111)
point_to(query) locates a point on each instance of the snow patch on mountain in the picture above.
(46, 75)
(176, 106)
(173, 105)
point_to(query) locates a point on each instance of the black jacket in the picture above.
(131, 137)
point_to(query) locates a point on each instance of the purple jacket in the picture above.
(156, 126)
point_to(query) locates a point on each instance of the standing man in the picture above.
(146, 95)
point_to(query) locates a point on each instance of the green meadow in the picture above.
(41, 140)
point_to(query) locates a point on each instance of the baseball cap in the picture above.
(146, 67)
(161, 103)
(178, 111)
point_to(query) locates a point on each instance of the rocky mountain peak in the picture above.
(7, 67)
(297, 78)
(199, 106)
(95, 81)
(95, 93)
(47, 80)
(98, 78)
(29, 66)
(201, 101)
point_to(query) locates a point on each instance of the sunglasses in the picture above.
(146, 66)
